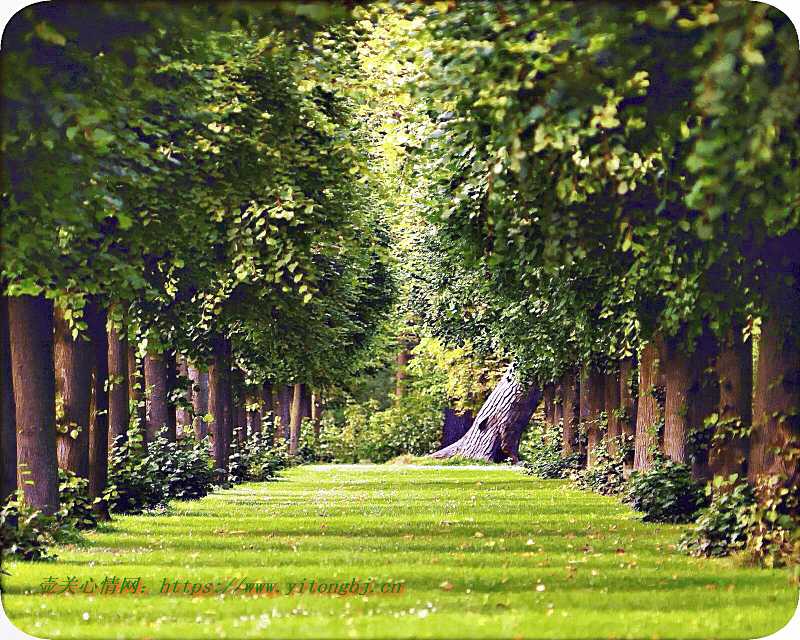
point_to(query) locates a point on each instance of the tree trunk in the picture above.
(648, 414)
(172, 413)
(558, 404)
(118, 401)
(199, 400)
(267, 411)
(73, 362)
(296, 418)
(285, 406)
(219, 398)
(8, 422)
(679, 377)
(136, 388)
(592, 403)
(253, 412)
(612, 403)
(183, 416)
(571, 413)
(496, 431)
(30, 321)
(703, 402)
(316, 416)
(456, 426)
(155, 380)
(729, 448)
(627, 400)
(548, 398)
(776, 405)
(98, 432)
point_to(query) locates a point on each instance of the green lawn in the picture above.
(479, 552)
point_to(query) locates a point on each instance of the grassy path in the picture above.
(479, 552)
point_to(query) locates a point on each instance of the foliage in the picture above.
(413, 425)
(774, 538)
(25, 534)
(256, 459)
(453, 461)
(145, 477)
(607, 476)
(75, 509)
(724, 526)
(541, 455)
(666, 493)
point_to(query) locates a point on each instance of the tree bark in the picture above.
(316, 416)
(199, 400)
(703, 401)
(648, 410)
(730, 446)
(183, 416)
(627, 400)
(73, 363)
(136, 388)
(267, 408)
(155, 380)
(8, 411)
(558, 405)
(679, 378)
(253, 412)
(776, 404)
(285, 406)
(30, 320)
(456, 426)
(118, 401)
(571, 412)
(98, 431)
(496, 431)
(592, 404)
(172, 413)
(612, 403)
(219, 397)
(548, 398)
(296, 418)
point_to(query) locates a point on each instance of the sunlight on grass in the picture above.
(479, 552)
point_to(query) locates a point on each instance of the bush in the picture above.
(774, 538)
(724, 526)
(666, 493)
(541, 456)
(25, 534)
(75, 510)
(256, 459)
(412, 426)
(140, 479)
(607, 476)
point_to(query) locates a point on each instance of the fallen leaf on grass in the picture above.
(446, 586)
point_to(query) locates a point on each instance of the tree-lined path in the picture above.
(481, 552)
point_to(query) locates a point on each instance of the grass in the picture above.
(480, 552)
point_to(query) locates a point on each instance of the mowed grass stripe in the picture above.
(524, 558)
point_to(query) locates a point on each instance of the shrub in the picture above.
(774, 538)
(25, 534)
(607, 476)
(142, 478)
(256, 459)
(412, 426)
(75, 510)
(666, 493)
(541, 456)
(722, 527)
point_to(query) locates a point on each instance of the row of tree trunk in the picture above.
(67, 398)
(702, 408)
